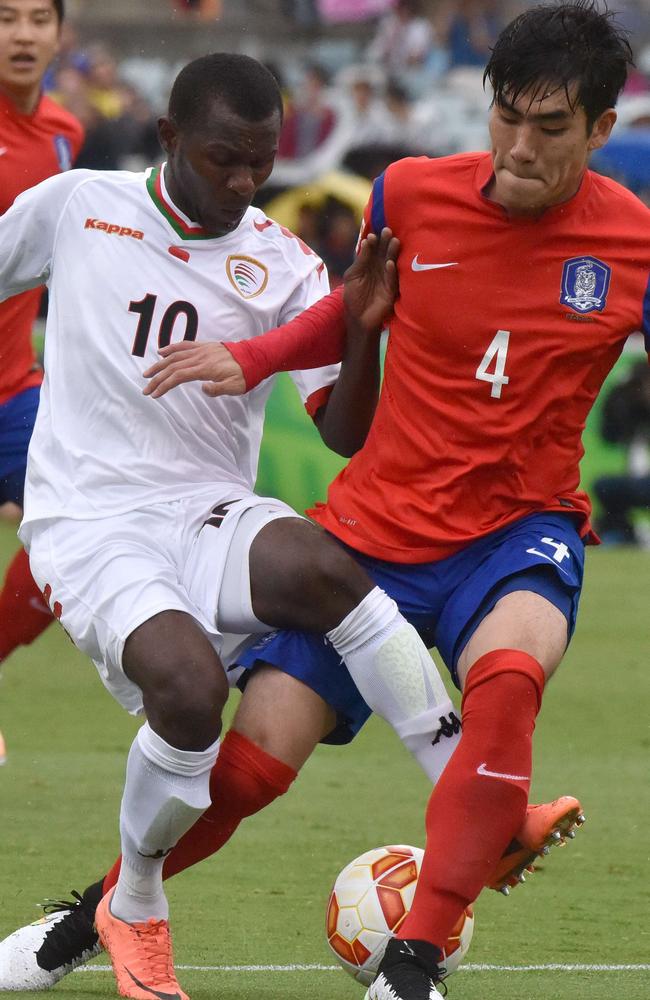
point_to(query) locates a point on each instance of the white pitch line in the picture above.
(476, 967)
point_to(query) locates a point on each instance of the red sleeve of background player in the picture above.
(311, 340)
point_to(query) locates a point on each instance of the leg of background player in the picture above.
(23, 611)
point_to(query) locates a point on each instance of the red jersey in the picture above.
(32, 147)
(503, 334)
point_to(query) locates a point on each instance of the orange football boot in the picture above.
(545, 825)
(141, 955)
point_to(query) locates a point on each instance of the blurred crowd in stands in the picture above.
(625, 423)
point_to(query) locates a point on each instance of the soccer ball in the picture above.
(370, 900)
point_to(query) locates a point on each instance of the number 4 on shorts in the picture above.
(497, 352)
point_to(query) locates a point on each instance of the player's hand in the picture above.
(371, 285)
(191, 361)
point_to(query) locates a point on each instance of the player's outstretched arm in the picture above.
(311, 340)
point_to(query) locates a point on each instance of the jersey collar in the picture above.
(180, 223)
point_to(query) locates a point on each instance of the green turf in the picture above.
(262, 901)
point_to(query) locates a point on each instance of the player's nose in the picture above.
(523, 148)
(24, 30)
(241, 181)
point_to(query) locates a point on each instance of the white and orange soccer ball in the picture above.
(368, 903)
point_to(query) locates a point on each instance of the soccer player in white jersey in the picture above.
(143, 530)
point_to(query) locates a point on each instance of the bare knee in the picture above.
(301, 578)
(183, 684)
(521, 620)
(272, 695)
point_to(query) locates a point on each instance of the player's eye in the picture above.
(554, 131)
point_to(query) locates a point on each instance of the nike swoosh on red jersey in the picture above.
(148, 989)
(416, 266)
(482, 769)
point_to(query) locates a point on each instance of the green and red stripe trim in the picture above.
(164, 206)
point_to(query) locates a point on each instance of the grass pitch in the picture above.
(261, 901)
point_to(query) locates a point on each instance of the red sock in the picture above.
(23, 611)
(472, 816)
(244, 780)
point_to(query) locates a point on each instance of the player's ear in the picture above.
(168, 134)
(602, 129)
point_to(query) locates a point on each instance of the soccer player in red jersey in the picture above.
(38, 138)
(522, 273)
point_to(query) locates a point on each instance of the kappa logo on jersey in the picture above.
(247, 275)
(113, 229)
(218, 513)
(585, 283)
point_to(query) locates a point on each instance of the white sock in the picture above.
(396, 676)
(165, 792)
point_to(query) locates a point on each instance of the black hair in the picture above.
(243, 84)
(557, 45)
(60, 12)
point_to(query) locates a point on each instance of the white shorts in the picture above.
(105, 577)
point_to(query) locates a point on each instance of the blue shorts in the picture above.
(444, 600)
(17, 418)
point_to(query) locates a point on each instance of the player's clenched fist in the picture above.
(190, 361)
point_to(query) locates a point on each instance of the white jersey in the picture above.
(128, 273)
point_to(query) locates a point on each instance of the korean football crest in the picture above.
(585, 283)
(247, 275)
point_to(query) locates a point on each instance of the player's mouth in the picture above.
(23, 60)
(521, 177)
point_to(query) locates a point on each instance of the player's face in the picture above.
(213, 172)
(29, 40)
(540, 150)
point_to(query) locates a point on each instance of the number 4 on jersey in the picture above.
(497, 352)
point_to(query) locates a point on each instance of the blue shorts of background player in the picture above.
(445, 601)
(17, 418)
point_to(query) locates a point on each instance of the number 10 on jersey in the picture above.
(497, 352)
(145, 308)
